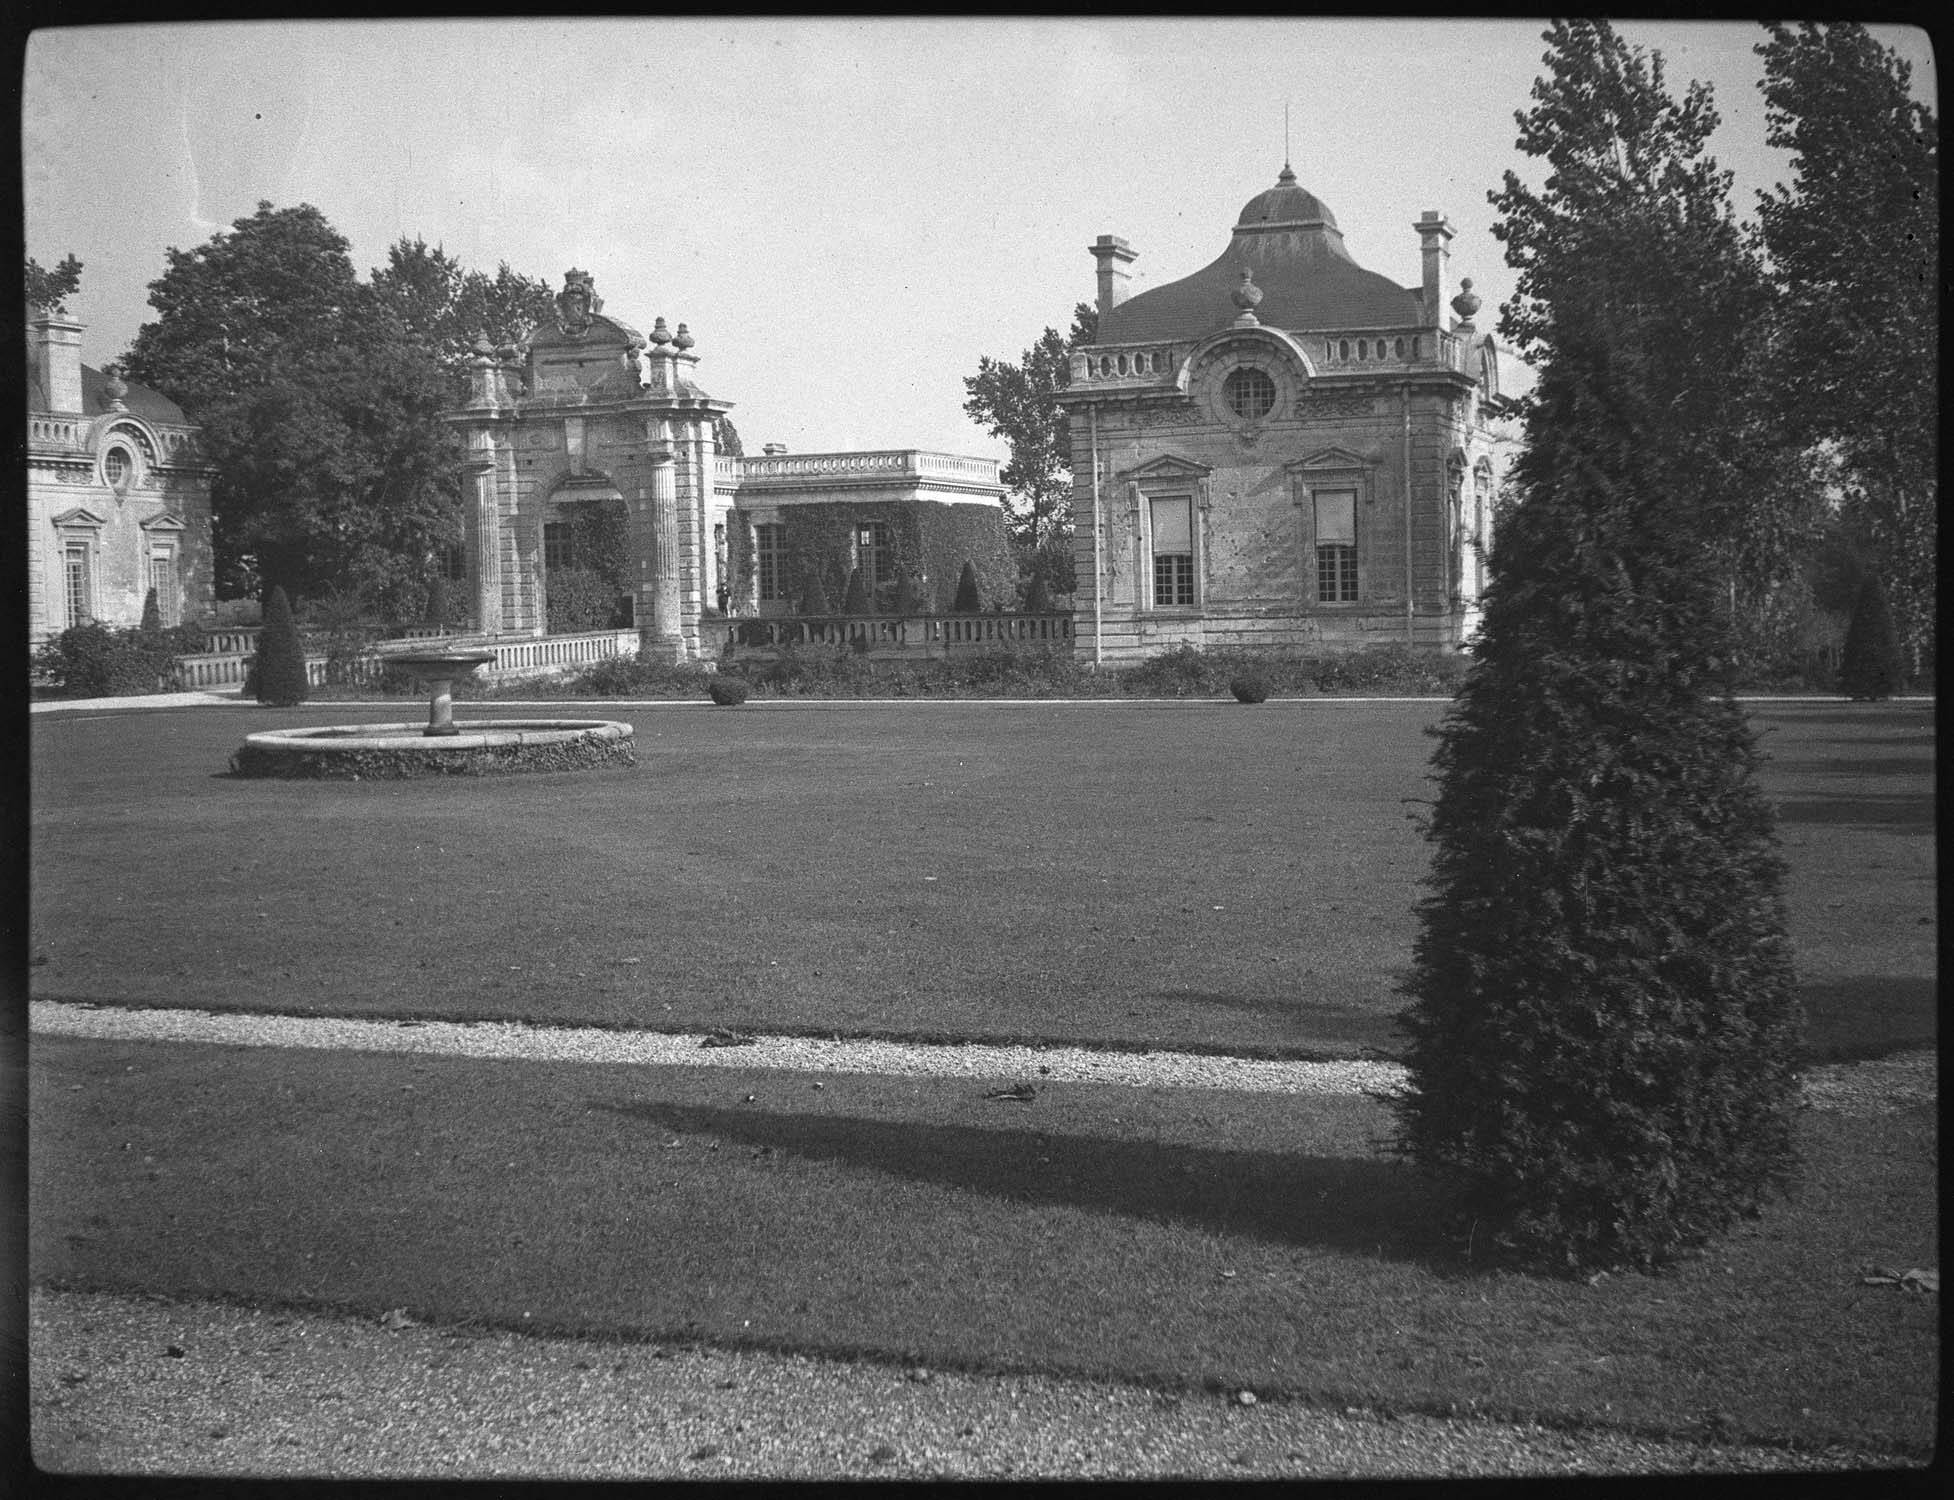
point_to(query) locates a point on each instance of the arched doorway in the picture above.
(586, 557)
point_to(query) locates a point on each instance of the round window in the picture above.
(115, 468)
(1250, 393)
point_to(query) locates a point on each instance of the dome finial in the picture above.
(1246, 297)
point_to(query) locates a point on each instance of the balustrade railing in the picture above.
(893, 635)
(222, 668)
(872, 463)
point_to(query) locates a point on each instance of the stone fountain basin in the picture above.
(391, 752)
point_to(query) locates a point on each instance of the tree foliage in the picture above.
(1854, 240)
(49, 290)
(320, 410)
(1602, 1021)
(449, 307)
(1018, 403)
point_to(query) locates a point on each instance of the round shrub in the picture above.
(727, 692)
(1249, 688)
(281, 656)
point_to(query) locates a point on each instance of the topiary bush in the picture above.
(727, 692)
(908, 601)
(1038, 598)
(152, 615)
(968, 600)
(280, 666)
(1249, 687)
(1870, 666)
(858, 601)
(815, 600)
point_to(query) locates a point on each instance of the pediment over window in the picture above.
(165, 522)
(1167, 466)
(80, 518)
(1332, 458)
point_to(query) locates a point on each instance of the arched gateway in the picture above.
(588, 410)
(589, 415)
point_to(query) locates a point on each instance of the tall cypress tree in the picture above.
(1870, 665)
(1602, 1024)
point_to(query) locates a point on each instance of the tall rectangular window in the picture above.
(79, 587)
(559, 545)
(1336, 546)
(162, 578)
(769, 548)
(874, 554)
(1173, 551)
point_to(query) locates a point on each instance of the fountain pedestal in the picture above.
(440, 670)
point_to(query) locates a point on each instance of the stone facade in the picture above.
(590, 411)
(1283, 449)
(118, 495)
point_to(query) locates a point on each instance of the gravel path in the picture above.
(136, 1386)
(130, 1385)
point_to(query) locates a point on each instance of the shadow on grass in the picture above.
(1349, 1205)
(1869, 1016)
(1844, 768)
(1890, 812)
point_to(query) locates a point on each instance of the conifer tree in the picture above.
(968, 600)
(858, 601)
(907, 602)
(1870, 665)
(1038, 599)
(281, 656)
(1602, 1025)
(815, 600)
(152, 615)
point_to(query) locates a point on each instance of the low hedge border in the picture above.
(257, 761)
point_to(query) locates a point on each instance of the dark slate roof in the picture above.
(1288, 239)
(139, 400)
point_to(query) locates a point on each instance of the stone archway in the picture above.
(585, 546)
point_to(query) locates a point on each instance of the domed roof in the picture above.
(1286, 203)
(1288, 240)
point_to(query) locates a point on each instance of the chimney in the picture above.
(56, 348)
(1433, 232)
(1111, 252)
(773, 450)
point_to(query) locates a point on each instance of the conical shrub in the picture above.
(1870, 665)
(1038, 598)
(815, 600)
(281, 656)
(908, 602)
(968, 601)
(858, 600)
(439, 604)
(152, 615)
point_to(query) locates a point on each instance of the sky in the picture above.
(847, 213)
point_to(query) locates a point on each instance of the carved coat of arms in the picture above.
(575, 304)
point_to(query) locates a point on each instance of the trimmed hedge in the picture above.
(280, 667)
(1871, 665)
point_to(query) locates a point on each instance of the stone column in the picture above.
(483, 543)
(659, 631)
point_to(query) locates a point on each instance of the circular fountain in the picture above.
(477, 747)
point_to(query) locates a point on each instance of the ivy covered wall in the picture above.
(931, 540)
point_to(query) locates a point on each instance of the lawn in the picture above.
(1181, 1238)
(1195, 875)
(1129, 874)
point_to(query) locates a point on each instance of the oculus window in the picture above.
(1250, 393)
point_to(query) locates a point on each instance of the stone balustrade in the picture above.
(1146, 364)
(512, 657)
(906, 463)
(885, 637)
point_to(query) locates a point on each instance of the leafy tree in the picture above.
(1018, 403)
(48, 291)
(450, 307)
(1871, 666)
(320, 411)
(1603, 1023)
(1854, 239)
(281, 656)
(727, 437)
(968, 600)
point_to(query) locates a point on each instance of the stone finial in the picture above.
(660, 334)
(1247, 297)
(682, 338)
(1467, 302)
(114, 388)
